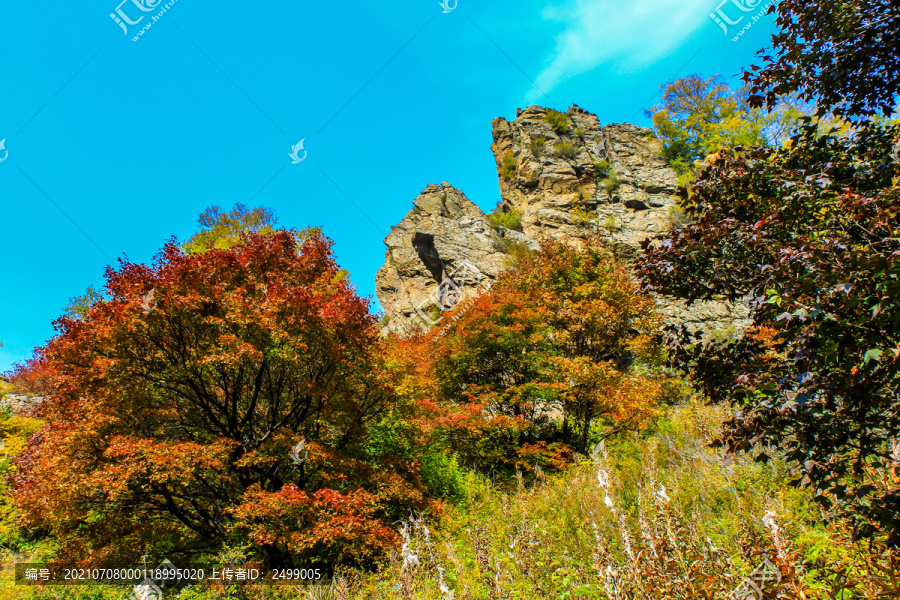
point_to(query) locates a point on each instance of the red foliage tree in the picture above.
(560, 350)
(175, 404)
(810, 231)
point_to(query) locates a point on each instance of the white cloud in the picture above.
(631, 32)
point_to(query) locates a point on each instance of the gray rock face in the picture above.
(444, 238)
(20, 403)
(567, 176)
(581, 177)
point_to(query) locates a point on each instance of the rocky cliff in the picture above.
(563, 175)
(566, 175)
(20, 403)
(444, 234)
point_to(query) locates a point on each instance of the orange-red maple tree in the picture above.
(172, 416)
(560, 351)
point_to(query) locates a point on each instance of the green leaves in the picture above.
(872, 354)
(810, 233)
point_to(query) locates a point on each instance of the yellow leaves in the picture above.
(20, 426)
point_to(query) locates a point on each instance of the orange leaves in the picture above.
(341, 526)
(163, 422)
(560, 344)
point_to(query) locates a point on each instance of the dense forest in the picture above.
(234, 404)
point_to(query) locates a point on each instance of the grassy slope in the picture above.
(675, 520)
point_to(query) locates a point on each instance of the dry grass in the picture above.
(663, 516)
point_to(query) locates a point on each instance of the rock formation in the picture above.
(565, 176)
(444, 233)
(20, 403)
(573, 176)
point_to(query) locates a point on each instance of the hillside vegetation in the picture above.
(234, 404)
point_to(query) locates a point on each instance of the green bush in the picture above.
(538, 146)
(515, 249)
(505, 219)
(557, 120)
(610, 184)
(443, 475)
(611, 223)
(508, 166)
(602, 167)
(566, 150)
(584, 217)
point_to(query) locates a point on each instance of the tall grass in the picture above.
(659, 515)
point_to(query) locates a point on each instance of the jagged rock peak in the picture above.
(567, 176)
(445, 201)
(444, 234)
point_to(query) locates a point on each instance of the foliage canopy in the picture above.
(810, 233)
(171, 423)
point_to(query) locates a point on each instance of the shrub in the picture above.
(610, 184)
(566, 150)
(500, 218)
(508, 166)
(611, 223)
(602, 167)
(433, 313)
(676, 218)
(557, 120)
(517, 250)
(584, 217)
(443, 475)
(538, 146)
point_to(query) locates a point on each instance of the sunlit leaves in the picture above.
(808, 234)
(170, 430)
(562, 348)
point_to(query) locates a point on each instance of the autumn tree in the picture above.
(810, 233)
(177, 405)
(223, 229)
(700, 116)
(560, 350)
(79, 305)
(697, 116)
(844, 56)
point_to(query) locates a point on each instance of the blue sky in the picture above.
(115, 145)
